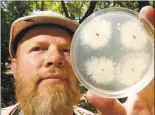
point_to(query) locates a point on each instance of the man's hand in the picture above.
(138, 104)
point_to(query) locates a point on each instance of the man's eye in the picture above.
(66, 50)
(36, 49)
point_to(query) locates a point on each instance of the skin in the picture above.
(138, 104)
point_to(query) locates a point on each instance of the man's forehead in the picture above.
(42, 34)
(46, 29)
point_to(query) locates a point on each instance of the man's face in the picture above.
(45, 82)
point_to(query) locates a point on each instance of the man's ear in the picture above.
(13, 67)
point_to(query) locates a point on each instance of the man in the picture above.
(44, 80)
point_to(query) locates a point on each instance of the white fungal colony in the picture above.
(118, 26)
(101, 70)
(131, 70)
(97, 33)
(133, 36)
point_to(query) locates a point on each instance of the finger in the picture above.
(141, 112)
(137, 105)
(106, 106)
(147, 13)
(149, 98)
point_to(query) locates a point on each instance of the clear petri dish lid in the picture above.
(112, 52)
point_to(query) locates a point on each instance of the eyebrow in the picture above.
(40, 43)
(44, 42)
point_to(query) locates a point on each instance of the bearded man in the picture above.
(44, 79)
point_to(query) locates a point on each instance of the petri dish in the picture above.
(112, 52)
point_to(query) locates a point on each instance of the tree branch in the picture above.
(90, 10)
(64, 8)
(42, 5)
(37, 6)
(2, 5)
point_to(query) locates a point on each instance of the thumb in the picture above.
(147, 13)
(106, 106)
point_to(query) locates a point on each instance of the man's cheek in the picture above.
(68, 59)
(27, 67)
(35, 61)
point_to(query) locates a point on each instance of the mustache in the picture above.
(55, 72)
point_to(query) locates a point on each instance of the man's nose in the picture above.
(54, 57)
